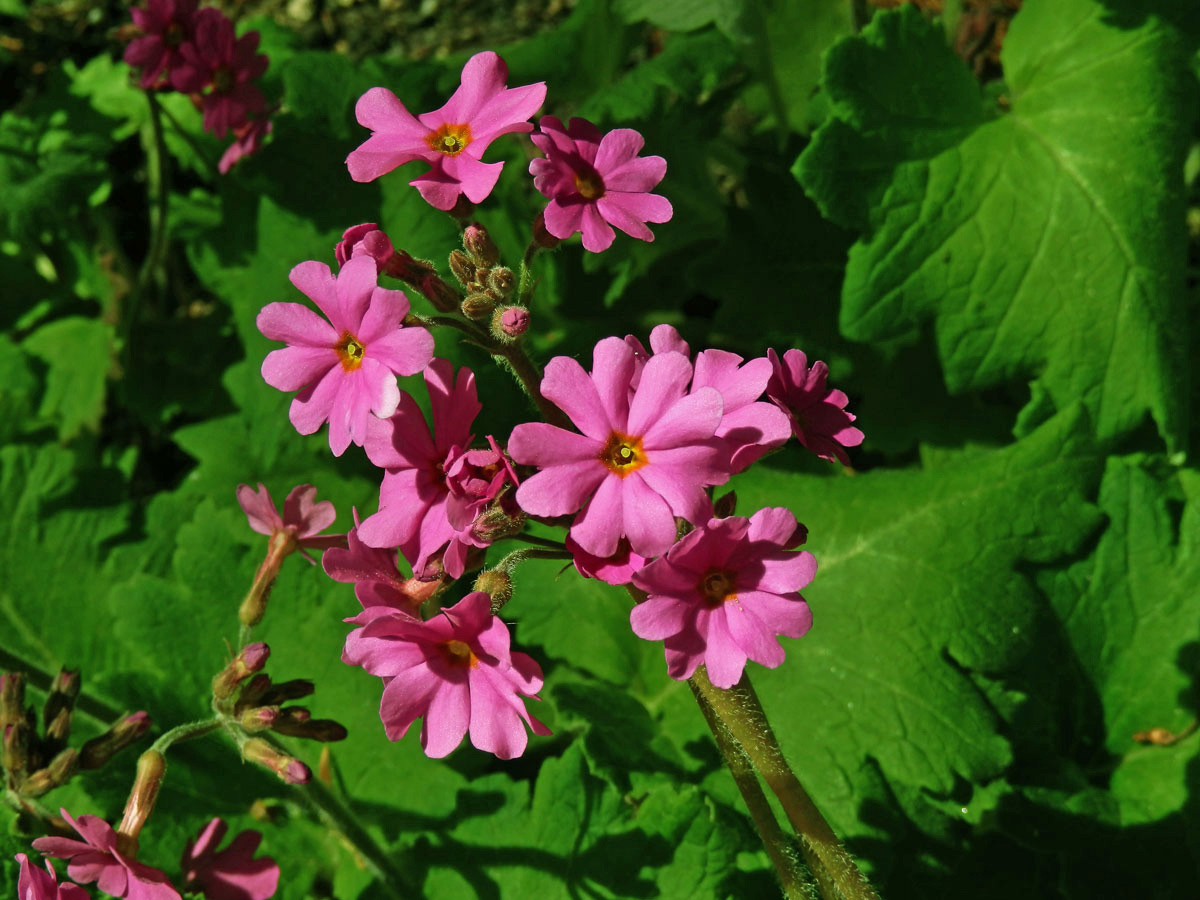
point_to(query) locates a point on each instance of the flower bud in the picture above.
(443, 297)
(541, 236)
(799, 537)
(510, 322)
(252, 658)
(17, 748)
(59, 730)
(462, 267)
(253, 692)
(725, 505)
(287, 690)
(478, 306)
(502, 280)
(100, 750)
(463, 209)
(325, 730)
(497, 585)
(496, 523)
(63, 691)
(12, 697)
(351, 238)
(290, 769)
(259, 718)
(58, 773)
(479, 244)
(151, 769)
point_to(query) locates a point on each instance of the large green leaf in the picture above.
(1038, 228)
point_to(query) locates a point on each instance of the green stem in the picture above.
(186, 732)
(530, 378)
(525, 285)
(781, 850)
(159, 186)
(200, 152)
(536, 541)
(739, 710)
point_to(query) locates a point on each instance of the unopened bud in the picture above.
(287, 690)
(325, 730)
(725, 505)
(497, 585)
(510, 322)
(58, 773)
(100, 750)
(12, 698)
(59, 730)
(495, 523)
(479, 244)
(63, 691)
(463, 209)
(443, 297)
(502, 280)
(798, 538)
(17, 748)
(462, 267)
(290, 769)
(260, 718)
(478, 306)
(151, 769)
(541, 236)
(252, 659)
(253, 692)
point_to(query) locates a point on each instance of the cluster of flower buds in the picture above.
(34, 763)
(248, 697)
(179, 47)
(489, 286)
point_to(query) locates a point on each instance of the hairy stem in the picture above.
(185, 732)
(530, 378)
(781, 850)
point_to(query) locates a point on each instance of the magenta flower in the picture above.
(451, 139)
(455, 671)
(302, 516)
(346, 368)
(166, 25)
(595, 181)
(722, 594)
(232, 873)
(818, 414)
(96, 858)
(376, 580)
(225, 64)
(247, 140)
(616, 569)
(34, 884)
(433, 488)
(641, 460)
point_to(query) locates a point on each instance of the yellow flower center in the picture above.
(449, 139)
(590, 186)
(717, 587)
(350, 351)
(459, 654)
(623, 454)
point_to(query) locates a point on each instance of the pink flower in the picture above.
(215, 58)
(345, 370)
(818, 414)
(96, 858)
(455, 671)
(749, 428)
(642, 459)
(376, 580)
(302, 517)
(616, 569)
(722, 594)
(433, 487)
(166, 26)
(451, 139)
(595, 181)
(34, 884)
(232, 873)
(247, 141)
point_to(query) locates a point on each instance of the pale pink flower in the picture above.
(642, 459)
(451, 139)
(595, 181)
(433, 487)
(166, 25)
(456, 671)
(722, 594)
(227, 65)
(818, 413)
(247, 140)
(232, 873)
(750, 426)
(34, 884)
(376, 579)
(344, 368)
(96, 858)
(302, 520)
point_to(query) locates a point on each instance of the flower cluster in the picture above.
(626, 461)
(195, 51)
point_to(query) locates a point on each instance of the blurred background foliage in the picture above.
(983, 214)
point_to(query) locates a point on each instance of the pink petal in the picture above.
(691, 419)
(598, 528)
(447, 720)
(542, 445)
(380, 154)
(665, 337)
(454, 402)
(385, 313)
(382, 111)
(506, 112)
(406, 351)
(477, 179)
(647, 518)
(663, 381)
(617, 148)
(317, 283)
(439, 190)
(597, 235)
(613, 366)
(723, 658)
(560, 490)
(659, 618)
(259, 508)
(482, 79)
(755, 638)
(572, 390)
(404, 699)
(402, 441)
(356, 285)
(564, 219)
(636, 176)
(791, 617)
(295, 368)
(681, 488)
(312, 406)
(496, 726)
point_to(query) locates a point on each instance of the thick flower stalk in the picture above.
(454, 671)
(451, 139)
(345, 368)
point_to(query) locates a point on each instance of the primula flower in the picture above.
(455, 671)
(166, 25)
(247, 140)
(642, 459)
(749, 427)
(215, 58)
(346, 368)
(616, 569)
(96, 858)
(302, 516)
(722, 594)
(595, 181)
(34, 884)
(818, 414)
(232, 873)
(376, 579)
(451, 139)
(433, 487)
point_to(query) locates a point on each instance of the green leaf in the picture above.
(678, 15)
(1039, 238)
(916, 589)
(17, 387)
(79, 354)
